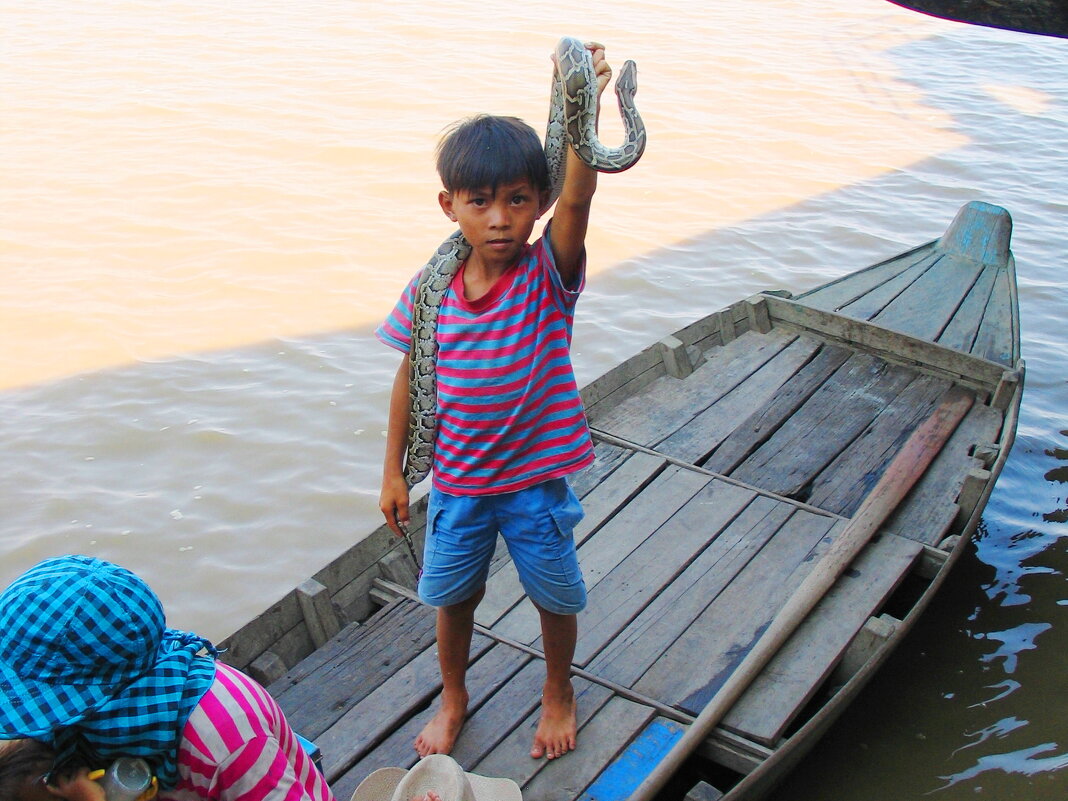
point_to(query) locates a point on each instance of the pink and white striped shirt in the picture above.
(509, 413)
(237, 746)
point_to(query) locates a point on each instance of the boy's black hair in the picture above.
(487, 151)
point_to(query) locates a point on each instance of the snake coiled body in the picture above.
(572, 123)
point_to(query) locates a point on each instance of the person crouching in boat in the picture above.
(90, 673)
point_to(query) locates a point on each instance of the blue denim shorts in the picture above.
(537, 524)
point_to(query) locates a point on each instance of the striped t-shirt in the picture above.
(509, 413)
(237, 746)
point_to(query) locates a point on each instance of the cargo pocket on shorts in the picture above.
(567, 510)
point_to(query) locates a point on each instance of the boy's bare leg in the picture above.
(557, 729)
(455, 625)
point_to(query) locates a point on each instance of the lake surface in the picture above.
(208, 207)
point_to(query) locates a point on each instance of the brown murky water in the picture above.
(207, 208)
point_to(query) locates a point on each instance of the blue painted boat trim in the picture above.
(622, 777)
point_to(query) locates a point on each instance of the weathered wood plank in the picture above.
(502, 712)
(843, 484)
(930, 506)
(768, 417)
(665, 619)
(824, 426)
(606, 459)
(618, 593)
(795, 673)
(485, 677)
(893, 346)
(678, 401)
(721, 636)
(868, 305)
(316, 692)
(387, 707)
(511, 755)
(613, 494)
(996, 339)
(849, 288)
(695, 440)
(962, 329)
(927, 306)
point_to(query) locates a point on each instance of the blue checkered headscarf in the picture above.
(87, 664)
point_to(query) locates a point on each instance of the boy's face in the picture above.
(496, 223)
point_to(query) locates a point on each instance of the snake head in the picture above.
(627, 82)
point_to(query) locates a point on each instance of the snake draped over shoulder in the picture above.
(572, 123)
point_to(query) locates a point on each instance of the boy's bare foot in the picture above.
(439, 735)
(557, 729)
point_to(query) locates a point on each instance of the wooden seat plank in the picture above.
(930, 301)
(844, 483)
(767, 419)
(694, 440)
(793, 676)
(617, 594)
(317, 691)
(961, 331)
(868, 305)
(837, 295)
(670, 613)
(677, 401)
(824, 426)
(995, 340)
(696, 664)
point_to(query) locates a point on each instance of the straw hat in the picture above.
(439, 773)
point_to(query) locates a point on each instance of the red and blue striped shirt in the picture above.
(509, 413)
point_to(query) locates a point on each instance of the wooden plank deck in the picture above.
(674, 557)
(701, 520)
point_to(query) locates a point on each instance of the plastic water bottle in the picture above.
(126, 779)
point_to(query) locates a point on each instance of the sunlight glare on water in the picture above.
(202, 176)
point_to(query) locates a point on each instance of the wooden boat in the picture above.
(736, 462)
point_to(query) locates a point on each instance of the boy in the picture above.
(510, 424)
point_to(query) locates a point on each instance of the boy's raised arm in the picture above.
(568, 232)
